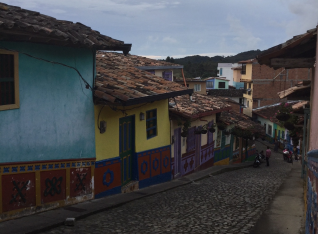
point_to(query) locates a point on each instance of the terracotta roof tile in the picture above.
(134, 60)
(242, 121)
(227, 92)
(268, 112)
(124, 83)
(201, 105)
(17, 24)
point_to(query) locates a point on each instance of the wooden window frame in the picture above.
(153, 127)
(16, 105)
(196, 87)
(243, 71)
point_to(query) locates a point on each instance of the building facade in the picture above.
(262, 83)
(47, 140)
(132, 129)
(225, 70)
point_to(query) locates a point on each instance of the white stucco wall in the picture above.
(227, 71)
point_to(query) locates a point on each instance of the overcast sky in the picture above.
(180, 28)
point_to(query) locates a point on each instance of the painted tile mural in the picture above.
(154, 166)
(43, 185)
(19, 191)
(107, 177)
(311, 200)
(188, 160)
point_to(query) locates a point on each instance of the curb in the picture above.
(184, 181)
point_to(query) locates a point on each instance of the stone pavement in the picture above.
(53, 218)
(230, 203)
(220, 199)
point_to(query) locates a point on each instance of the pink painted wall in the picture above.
(313, 143)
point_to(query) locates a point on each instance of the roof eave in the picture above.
(200, 115)
(141, 100)
(159, 67)
(125, 48)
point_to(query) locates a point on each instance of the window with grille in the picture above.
(209, 84)
(167, 75)
(197, 87)
(243, 71)
(151, 122)
(221, 85)
(8, 80)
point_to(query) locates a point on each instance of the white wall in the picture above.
(227, 71)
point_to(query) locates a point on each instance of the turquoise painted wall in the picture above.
(56, 115)
(217, 81)
(238, 85)
(268, 122)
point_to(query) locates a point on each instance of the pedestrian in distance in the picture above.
(268, 155)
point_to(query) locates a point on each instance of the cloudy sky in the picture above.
(179, 28)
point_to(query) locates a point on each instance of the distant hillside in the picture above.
(204, 66)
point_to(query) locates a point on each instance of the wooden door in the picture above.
(126, 147)
(177, 152)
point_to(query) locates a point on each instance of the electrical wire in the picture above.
(53, 62)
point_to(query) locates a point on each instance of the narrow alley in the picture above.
(231, 202)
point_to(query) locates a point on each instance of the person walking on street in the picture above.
(268, 155)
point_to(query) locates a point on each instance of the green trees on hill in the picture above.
(204, 66)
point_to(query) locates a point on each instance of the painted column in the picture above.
(313, 140)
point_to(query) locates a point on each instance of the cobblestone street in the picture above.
(228, 203)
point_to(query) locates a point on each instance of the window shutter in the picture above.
(191, 140)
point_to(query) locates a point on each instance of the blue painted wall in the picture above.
(56, 115)
(238, 85)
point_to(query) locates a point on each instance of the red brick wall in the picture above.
(235, 107)
(266, 89)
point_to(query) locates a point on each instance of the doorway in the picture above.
(126, 147)
(177, 152)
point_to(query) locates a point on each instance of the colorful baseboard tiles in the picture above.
(149, 167)
(30, 187)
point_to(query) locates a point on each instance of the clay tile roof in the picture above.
(135, 60)
(17, 24)
(227, 92)
(247, 61)
(299, 105)
(283, 50)
(190, 80)
(201, 105)
(301, 89)
(268, 112)
(118, 82)
(242, 121)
